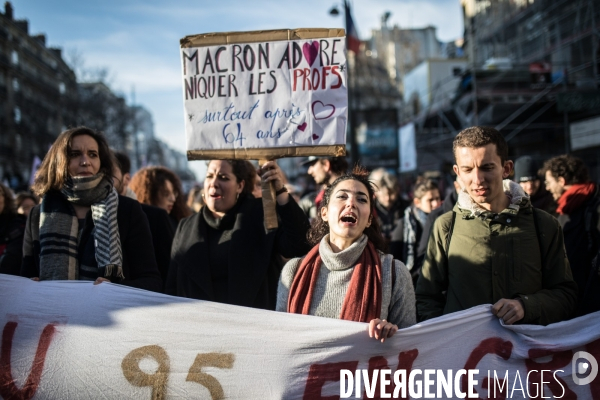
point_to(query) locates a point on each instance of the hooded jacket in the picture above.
(494, 256)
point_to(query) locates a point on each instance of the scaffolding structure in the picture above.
(533, 72)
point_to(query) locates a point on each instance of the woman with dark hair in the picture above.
(83, 230)
(24, 202)
(346, 275)
(224, 253)
(12, 226)
(160, 187)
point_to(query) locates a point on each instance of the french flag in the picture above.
(351, 33)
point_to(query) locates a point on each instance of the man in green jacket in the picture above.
(493, 248)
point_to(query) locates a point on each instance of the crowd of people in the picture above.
(353, 249)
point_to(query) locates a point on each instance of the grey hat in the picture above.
(309, 161)
(526, 169)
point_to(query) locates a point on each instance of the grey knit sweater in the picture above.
(398, 302)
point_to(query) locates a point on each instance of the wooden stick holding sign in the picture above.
(269, 200)
(264, 95)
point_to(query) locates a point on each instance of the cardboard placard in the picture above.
(265, 94)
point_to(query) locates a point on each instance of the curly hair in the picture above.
(320, 228)
(338, 165)
(54, 170)
(479, 136)
(147, 184)
(572, 169)
(9, 202)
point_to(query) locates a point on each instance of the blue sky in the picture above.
(138, 41)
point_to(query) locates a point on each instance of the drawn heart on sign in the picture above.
(310, 51)
(322, 111)
(303, 126)
(315, 136)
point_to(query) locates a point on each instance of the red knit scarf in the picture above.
(575, 196)
(363, 297)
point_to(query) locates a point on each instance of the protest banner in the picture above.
(71, 339)
(264, 95)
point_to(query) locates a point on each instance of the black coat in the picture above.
(162, 232)
(139, 265)
(12, 227)
(543, 200)
(582, 244)
(253, 267)
(388, 219)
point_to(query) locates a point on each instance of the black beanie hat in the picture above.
(526, 169)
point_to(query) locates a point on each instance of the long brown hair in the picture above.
(320, 228)
(149, 181)
(54, 170)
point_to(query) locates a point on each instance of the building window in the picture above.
(15, 57)
(17, 115)
(61, 88)
(15, 84)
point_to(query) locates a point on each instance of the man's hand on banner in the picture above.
(510, 311)
(380, 329)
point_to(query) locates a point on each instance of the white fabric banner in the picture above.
(73, 340)
(265, 95)
(407, 148)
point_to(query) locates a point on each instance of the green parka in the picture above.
(494, 256)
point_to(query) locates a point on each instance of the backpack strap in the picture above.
(450, 231)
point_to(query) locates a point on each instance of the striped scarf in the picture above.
(59, 228)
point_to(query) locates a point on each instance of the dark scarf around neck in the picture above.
(226, 221)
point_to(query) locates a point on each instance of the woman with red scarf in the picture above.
(346, 275)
